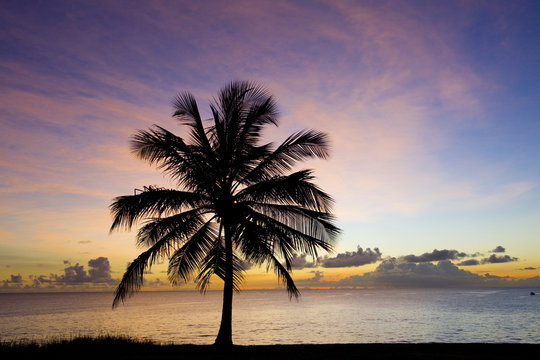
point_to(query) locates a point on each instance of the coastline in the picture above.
(124, 348)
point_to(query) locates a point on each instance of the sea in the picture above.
(269, 317)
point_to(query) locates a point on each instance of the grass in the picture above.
(118, 347)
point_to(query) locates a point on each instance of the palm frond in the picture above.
(187, 111)
(258, 109)
(260, 252)
(133, 277)
(297, 147)
(285, 278)
(241, 108)
(267, 213)
(295, 188)
(285, 239)
(153, 201)
(187, 260)
(179, 227)
(157, 145)
(215, 263)
(316, 224)
(192, 166)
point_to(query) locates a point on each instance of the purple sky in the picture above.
(432, 108)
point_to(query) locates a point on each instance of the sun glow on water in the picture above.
(268, 317)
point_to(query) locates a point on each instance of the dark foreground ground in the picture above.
(118, 348)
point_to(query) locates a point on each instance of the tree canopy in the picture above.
(237, 200)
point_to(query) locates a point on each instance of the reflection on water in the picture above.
(268, 317)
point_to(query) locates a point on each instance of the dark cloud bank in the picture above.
(405, 271)
(435, 255)
(99, 272)
(363, 257)
(348, 259)
(417, 270)
(393, 272)
(493, 259)
(440, 255)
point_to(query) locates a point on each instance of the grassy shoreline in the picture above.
(124, 348)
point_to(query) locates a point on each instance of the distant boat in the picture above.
(532, 293)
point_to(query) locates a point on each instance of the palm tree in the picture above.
(237, 200)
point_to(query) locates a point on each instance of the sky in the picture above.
(432, 109)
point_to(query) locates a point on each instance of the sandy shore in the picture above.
(101, 349)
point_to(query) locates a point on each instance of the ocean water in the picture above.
(268, 317)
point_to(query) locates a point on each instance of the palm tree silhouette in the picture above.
(237, 200)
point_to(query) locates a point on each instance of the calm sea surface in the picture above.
(268, 317)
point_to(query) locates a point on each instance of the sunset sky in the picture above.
(432, 107)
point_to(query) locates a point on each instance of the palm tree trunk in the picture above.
(224, 337)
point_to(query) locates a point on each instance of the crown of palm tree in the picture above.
(237, 200)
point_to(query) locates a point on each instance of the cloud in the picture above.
(74, 274)
(245, 265)
(99, 272)
(470, 262)
(355, 258)
(154, 283)
(368, 256)
(394, 272)
(39, 281)
(300, 262)
(347, 259)
(317, 277)
(498, 249)
(435, 255)
(529, 268)
(16, 278)
(390, 83)
(494, 259)
(15, 281)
